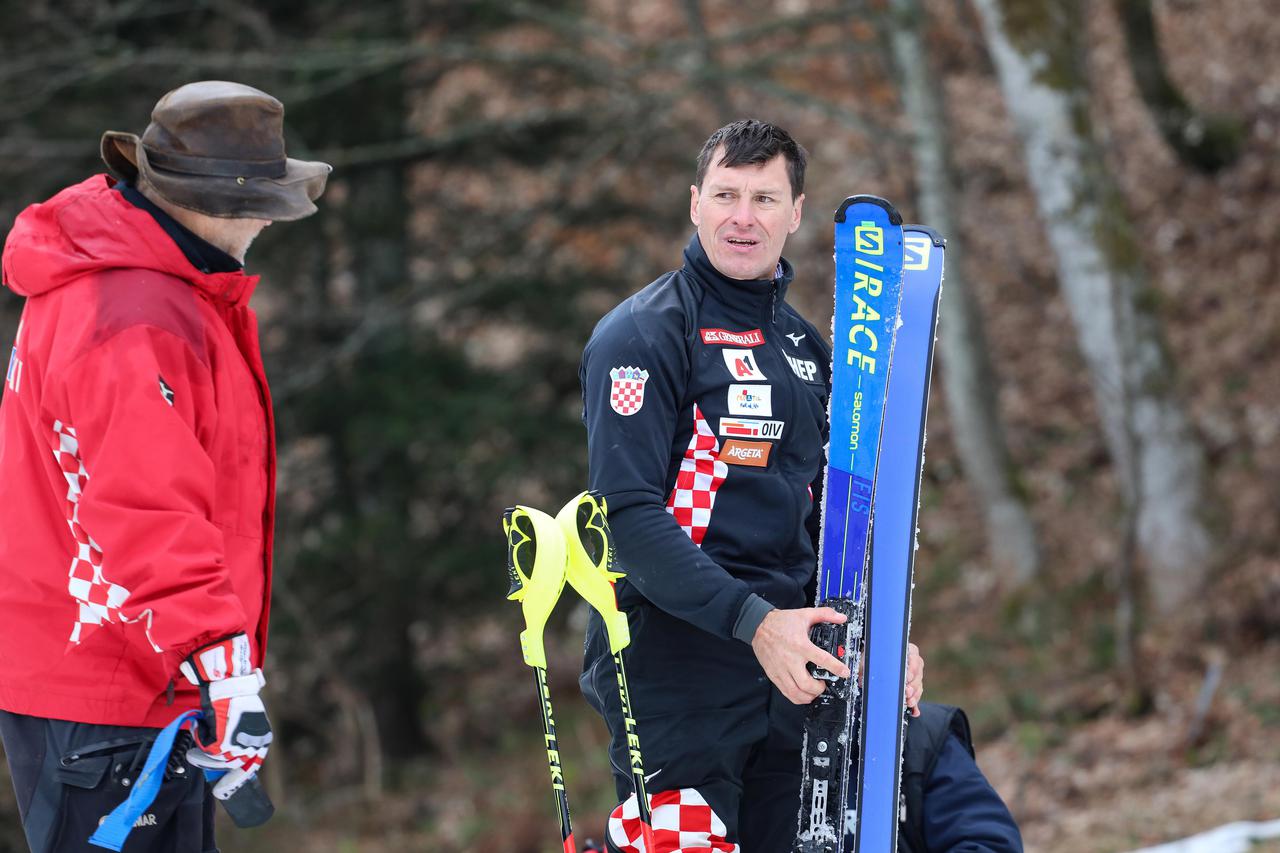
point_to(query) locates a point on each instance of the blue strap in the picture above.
(115, 828)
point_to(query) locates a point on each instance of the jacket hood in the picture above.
(89, 228)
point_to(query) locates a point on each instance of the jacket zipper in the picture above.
(791, 383)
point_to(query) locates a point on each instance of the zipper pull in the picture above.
(168, 693)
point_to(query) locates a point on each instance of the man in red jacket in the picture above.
(137, 458)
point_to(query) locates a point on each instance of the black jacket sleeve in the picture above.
(629, 456)
(962, 812)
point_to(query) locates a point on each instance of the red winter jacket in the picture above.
(137, 465)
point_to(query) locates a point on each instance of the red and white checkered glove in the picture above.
(234, 732)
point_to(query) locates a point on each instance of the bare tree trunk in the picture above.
(969, 378)
(1039, 61)
(708, 66)
(1206, 142)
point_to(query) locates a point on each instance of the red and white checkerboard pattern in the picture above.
(627, 396)
(98, 599)
(700, 476)
(682, 823)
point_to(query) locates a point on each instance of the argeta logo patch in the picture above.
(742, 365)
(626, 395)
(752, 453)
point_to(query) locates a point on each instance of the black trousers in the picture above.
(68, 776)
(708, 719)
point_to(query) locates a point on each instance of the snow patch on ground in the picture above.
(1232, 838)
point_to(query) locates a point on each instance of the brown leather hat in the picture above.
(218, 148)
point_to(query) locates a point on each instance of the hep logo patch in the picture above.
(626, 395)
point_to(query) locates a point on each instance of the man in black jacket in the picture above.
(948, 806)
(704, 397)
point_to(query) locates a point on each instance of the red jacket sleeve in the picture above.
(139, 413)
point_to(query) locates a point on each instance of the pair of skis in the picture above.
(542, 554)
(888, 282)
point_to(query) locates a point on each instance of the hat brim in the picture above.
(289, 197)
(117, 149)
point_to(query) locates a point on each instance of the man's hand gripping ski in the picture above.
(783, 647)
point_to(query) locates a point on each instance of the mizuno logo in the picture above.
(795, 339)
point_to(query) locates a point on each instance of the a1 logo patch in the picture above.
(742, 365)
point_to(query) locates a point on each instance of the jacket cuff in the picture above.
(753, 611)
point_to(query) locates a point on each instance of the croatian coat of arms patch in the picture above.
(626, 396)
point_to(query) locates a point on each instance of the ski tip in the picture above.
(894, 216)
(938, 239)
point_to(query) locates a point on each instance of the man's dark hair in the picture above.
(751, 142)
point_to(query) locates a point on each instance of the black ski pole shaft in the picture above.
(536, 569)
(636, 759)
(553, 761)
(591, 570)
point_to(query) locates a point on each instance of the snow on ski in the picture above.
(869, 254)
(889, 580)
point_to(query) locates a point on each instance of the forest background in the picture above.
(1097, 579)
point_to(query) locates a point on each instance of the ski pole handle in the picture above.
(535, 567)
(590, 566)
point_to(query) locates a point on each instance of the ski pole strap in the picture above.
(115, 828)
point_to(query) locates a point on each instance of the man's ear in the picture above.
(693, 205)
(796, 210)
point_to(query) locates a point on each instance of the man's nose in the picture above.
(743, 212)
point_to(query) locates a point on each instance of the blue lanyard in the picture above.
(115, 828)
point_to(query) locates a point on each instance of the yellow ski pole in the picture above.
(536, 566)
(591, 571)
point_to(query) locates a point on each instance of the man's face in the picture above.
(744, 214)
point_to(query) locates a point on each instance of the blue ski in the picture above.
(869, 252)
(889, 579)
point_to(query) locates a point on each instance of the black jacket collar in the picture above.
(203, 255)
(731, 290)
